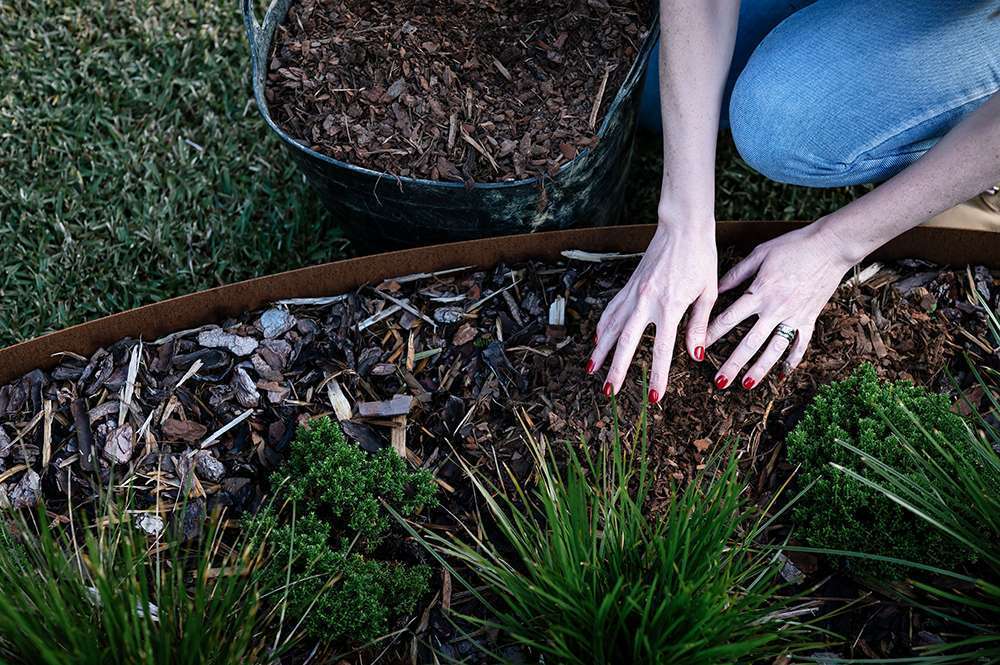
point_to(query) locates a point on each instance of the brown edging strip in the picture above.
(945, 246)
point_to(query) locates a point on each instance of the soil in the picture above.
(474, 354)
(452, 90)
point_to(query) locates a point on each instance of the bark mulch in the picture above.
(458, 362)
(446, 90)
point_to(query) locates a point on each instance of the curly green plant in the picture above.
(331, 536)
(839, 512)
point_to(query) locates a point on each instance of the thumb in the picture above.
(742, 271)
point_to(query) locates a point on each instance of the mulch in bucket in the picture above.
(445, 90)
(444, 364)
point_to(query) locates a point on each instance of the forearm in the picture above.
(964, 163)
(696, 49)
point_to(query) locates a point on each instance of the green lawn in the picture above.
(133, 166)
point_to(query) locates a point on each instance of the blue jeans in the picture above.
(844, 92)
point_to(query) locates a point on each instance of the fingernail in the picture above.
(654, 397)
(590, 366)
(721, 382)
(749, 383)
(699, 353)
(607, 389)
(781, 376)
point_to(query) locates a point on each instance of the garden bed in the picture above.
(442, 364)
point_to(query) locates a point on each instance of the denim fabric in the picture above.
(844, 92)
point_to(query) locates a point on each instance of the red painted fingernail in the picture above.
(721, 382)
(749, 383)
(699, 353)
(781, 376)
(590, 366)
(654, 397)
(607, 390)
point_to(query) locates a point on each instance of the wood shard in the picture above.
(398, 436)
(399, 405)
(84, 435)
(338, 400)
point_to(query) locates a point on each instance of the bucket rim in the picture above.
(274, 14)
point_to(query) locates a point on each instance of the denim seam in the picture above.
(864, 155)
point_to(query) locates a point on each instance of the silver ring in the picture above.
(787, 332)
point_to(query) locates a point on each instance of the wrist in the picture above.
(699, 219)
(848, 248)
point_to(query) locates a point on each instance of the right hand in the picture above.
(678, 271)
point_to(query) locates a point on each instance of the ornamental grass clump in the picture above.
(105, 593)
(579, 573)
(329, 557)
(839, 511)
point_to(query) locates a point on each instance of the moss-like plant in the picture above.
(840, 512)
(332, 543)
(342, 482)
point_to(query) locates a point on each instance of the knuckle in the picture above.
(661, 355)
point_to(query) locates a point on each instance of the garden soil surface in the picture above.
(452, 90)
(463, 363)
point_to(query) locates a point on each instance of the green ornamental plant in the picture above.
(952, 486)
(107, 594)
(582, 574)
(328, 555)
(839, 511)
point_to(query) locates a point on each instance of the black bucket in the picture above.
(384, 209)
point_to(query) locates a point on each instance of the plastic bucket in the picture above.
(383, 209)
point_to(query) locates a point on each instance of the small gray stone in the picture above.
(118, 447)
(276, 322)
(208, 467)
(27, 492)
(151, 524)
(449, 314)
(245, 389)
(216, 338)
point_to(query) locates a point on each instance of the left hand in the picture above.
(796, 274)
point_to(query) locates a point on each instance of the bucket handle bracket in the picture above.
(255, 29)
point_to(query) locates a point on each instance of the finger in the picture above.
(628, 340)
(798, 351)
(741, 272)
(773, 351)
(607, 334)
(697, 327)
(663, 353)
(741, 310)
(745, 350)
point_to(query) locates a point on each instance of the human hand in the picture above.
(679, 270)
(794, 277)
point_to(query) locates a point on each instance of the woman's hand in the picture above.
(679, 270)
(794, 276)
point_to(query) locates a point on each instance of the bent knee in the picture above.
(783, 138)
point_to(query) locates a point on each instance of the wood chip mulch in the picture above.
(446, 90)
(458, 362)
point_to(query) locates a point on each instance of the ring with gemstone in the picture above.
(787, 332)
